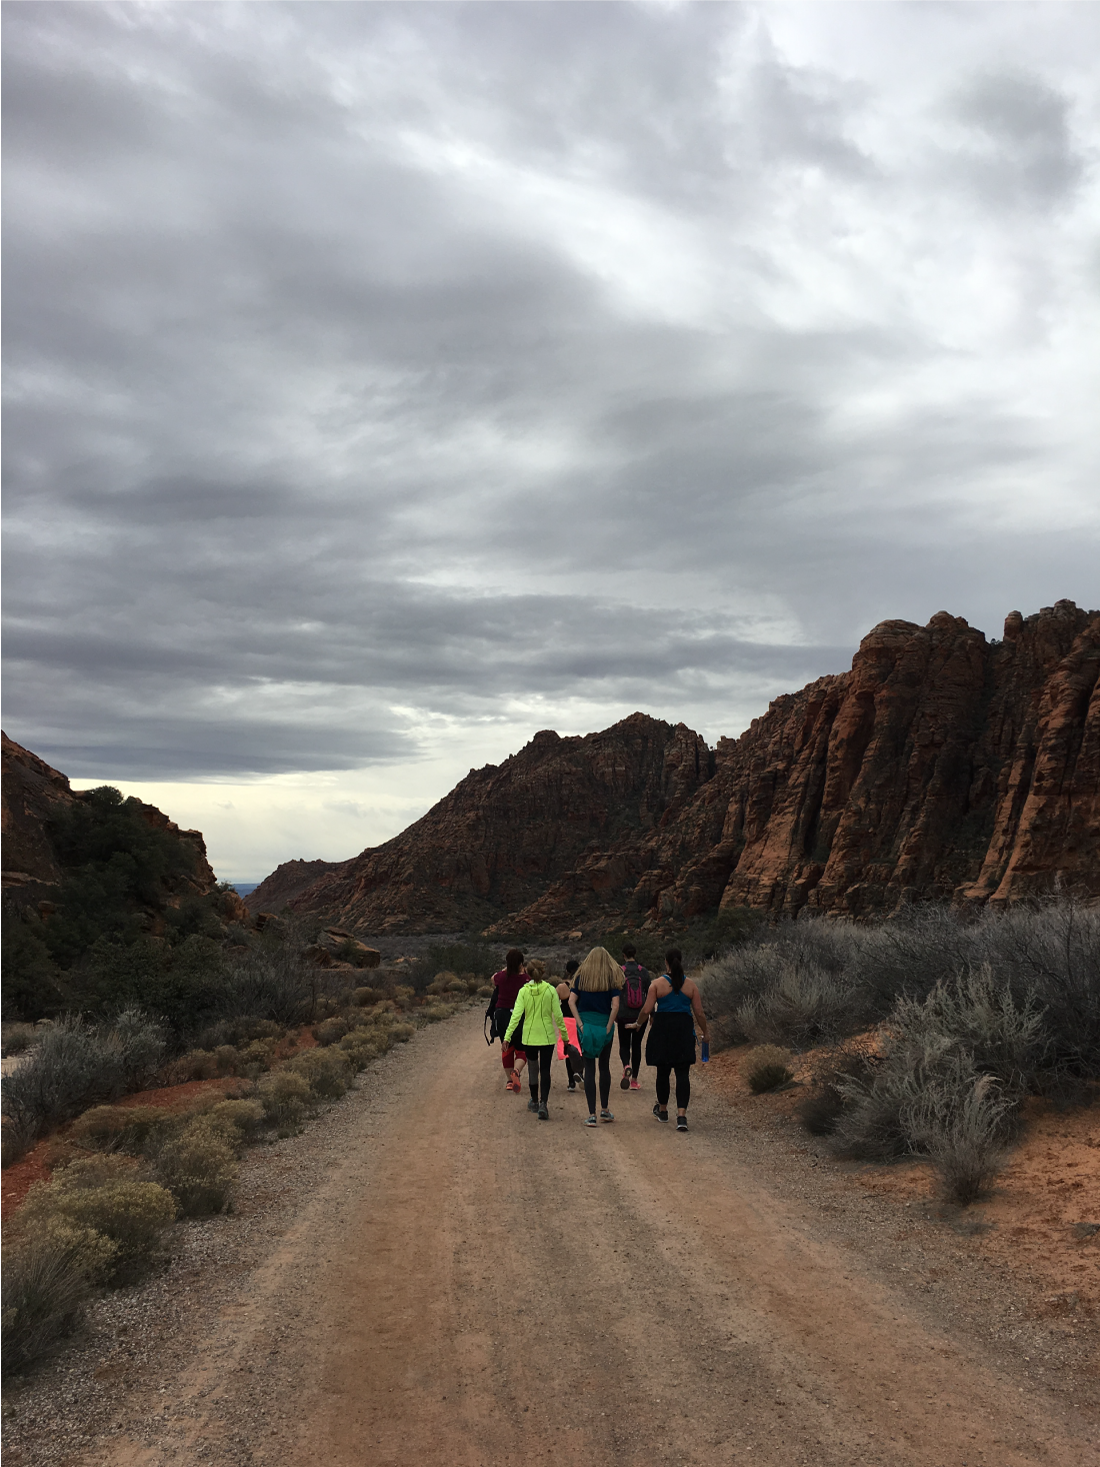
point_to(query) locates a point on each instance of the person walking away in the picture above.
(574, 1062)
(594, 1001)
(506, 985)
(674, 1003)
(538, 1009)
(636, 981)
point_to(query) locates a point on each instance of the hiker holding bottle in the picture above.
(594, 1002)
(636, 981)
(674, 1003)
(538, 1012)
(574, 1060)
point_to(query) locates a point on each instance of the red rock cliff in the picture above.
(942, 766)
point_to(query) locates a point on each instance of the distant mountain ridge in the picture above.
(942, 766)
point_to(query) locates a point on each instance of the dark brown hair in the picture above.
(675, 960)
(629, 950)
(513, 960)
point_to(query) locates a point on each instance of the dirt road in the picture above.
(472, 1286)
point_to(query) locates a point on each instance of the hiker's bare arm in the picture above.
(697, 1010)
(646, 1008)
(614, 1013)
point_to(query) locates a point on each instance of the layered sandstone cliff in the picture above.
(942, 766)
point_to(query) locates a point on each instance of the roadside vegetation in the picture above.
(925, 1033)
(124, 1174)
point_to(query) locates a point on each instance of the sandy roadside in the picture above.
(448, 1276)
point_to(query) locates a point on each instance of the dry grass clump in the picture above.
(766, 1068)
(821, 1109)
(327, 1071)
(109, 1195)
(285, 1097)
(45, 1282)
(17, 1038)
(329, 1031)
(133, 1129)
(199, 1165)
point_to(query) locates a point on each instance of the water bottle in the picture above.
(704, 1050)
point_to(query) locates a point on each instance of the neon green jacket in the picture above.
(538, 1009)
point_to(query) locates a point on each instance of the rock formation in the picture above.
(942, 766)
(34, 795)
(284, 883)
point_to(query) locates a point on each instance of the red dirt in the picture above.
(18, 1178)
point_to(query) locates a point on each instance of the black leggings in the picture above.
(539, 1057)
(630, 1047)
(683, 1085)
(605, 1079)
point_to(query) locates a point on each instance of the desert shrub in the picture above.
(131, 1129)
(45, 1283)
(403, 995)
(327, 1072)
(75, 1064)
(330, 1030)
(766, 1068)
(198, 1165)
(961, 1123)
(108, 1195)
(285, 1097)
(485, 990)
(364, 1045)
(18, 1038)
(361, 997)
(197, 1064)
(257, 1056)
(975, 1013)
(821, 1109)
(272, 980)
(802, 1005)
(441, 983)
(245, 1117)
(402, 1033)
(435, 1012)
(227, 1059)
(451, 958)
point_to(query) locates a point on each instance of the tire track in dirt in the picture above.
(478, 1287)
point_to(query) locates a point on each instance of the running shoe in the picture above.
(681, 1123)
(571, 1089)
(634, 1084)
(590, 1121)
(661, 1115)
(605, 1115)
(532, 1105)
(624, 1083)
(544, 1113)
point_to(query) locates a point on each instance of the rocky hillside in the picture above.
(36, 798)
(942, 766)
(286, 882)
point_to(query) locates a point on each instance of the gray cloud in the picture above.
(374, 361)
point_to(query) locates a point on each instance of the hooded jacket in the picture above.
(538, 1009)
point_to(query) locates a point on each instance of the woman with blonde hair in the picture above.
(594, 1003)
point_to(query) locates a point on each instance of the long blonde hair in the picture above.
(598, 972)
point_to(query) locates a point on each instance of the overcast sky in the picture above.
(385, 383)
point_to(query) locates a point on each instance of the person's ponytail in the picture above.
(675, 960)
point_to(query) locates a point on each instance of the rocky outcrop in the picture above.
(286, 882)
(34, 795)
(576, 809)
(940, 767)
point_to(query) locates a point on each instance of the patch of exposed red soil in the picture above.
(1036, 1220)
(18, 1178)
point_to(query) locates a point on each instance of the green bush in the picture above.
(107, 1195)
(362, 1046)
(285, 1097)
(245, 1117)
(330, 1030)
(131, 1129)
(45, 1285)
(199, 1167)
(766, 1068)
(327, 1072)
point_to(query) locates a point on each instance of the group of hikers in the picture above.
(577, 1019)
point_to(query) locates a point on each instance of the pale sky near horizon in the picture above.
(386, 382)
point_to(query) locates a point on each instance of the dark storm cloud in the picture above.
(367, 359)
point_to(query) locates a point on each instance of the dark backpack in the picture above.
(634, 985)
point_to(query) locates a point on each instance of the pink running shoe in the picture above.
(634, 1085)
